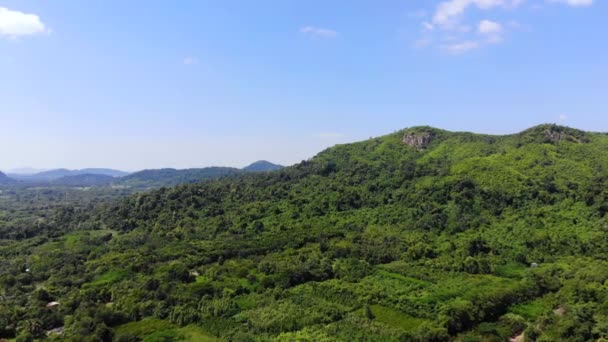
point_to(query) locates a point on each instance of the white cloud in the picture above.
(461, 47)
(449, 11)
(492, 31)
(318, 32)
(15, 24)
(190, 60)
(450, 20)
(575, 3)
(489, 27)
(562, 118)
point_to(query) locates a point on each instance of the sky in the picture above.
(133, 84)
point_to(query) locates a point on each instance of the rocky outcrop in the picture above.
(419, 141)
(554, 136)
(558, 134)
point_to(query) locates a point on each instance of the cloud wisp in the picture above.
(318, 32)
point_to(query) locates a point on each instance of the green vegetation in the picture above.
(421, 235)
(172, 177)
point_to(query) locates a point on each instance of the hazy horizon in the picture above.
(24, 171)
(32, 170)
(228, 83)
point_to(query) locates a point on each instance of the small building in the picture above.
(534, 265)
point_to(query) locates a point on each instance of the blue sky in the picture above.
(134, 84)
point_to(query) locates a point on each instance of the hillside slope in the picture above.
(84, 180)
(420, 235)
(4, 179)
(171, 177)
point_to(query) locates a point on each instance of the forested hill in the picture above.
(84, 180)
(420, 235)
(171, 177)
(262, 166)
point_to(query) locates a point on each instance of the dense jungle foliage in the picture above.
(420, 235)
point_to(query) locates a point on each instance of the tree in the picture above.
(368, 312)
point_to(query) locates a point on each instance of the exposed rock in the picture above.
(554, 136)
(557, 134)
(418, 140)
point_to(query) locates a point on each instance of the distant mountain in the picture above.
(84, 180)
(4, 179)
(25, 171)
(171, 177)
(51, 175)
(144, 179)
(106, 172)
(261, 166)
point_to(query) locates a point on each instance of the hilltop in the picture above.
(262, 166)
(419, 235)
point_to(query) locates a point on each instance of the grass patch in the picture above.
(511, 270)
(73, 240)
(402, 277)
(533, 309)
(144, 327)
(395, 319)
(153, 330)
(192, 333)
(108, 278)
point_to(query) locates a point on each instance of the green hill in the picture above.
(262, 166)
(420, 235)
(171, 177)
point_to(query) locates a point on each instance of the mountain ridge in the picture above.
(54, 174)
